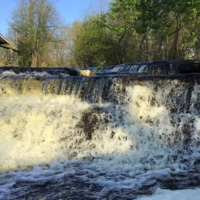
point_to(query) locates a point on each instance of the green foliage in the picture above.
(94, 45)
(132, 30)
(165, 29)
(33, 22)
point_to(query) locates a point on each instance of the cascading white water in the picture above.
(138, 130)
(40, 129)
(33, 127)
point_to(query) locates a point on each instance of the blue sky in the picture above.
(69, 10)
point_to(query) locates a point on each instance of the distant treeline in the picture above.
(131, 31)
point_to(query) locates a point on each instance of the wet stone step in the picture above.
(154, 68)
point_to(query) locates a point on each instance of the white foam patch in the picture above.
(8, 73)
(39, 135)
(37, 130)
(32, 129)
(41, 129)
(187, 194)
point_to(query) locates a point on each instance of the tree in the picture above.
(60, 51)
(34, 22)
(94, 44)
(174, 23)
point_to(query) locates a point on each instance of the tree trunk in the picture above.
(176, 38)
(34, 60)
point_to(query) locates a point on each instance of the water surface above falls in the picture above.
(117, 135)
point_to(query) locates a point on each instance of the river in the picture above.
(117, 135)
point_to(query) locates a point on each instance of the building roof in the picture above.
(6, 43)
(3, 40)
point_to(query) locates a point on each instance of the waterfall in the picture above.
(131, 119)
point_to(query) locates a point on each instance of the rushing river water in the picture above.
(127, 135)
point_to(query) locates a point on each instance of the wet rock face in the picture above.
(51, 71)
(84, 72)
(154, 68)
(89, 122)
(98, 118)
(92, 120)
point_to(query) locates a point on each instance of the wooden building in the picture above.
(8, 52)
(4, 43)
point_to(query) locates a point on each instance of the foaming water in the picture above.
(173, 195)
(33, 129)
(98, 138)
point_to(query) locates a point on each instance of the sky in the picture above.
(69, 10)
